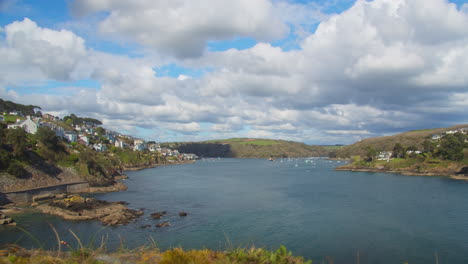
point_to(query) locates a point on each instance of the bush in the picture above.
(17, 170)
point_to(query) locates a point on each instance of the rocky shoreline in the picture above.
(454, 176)
(149, 166)
(75, 207)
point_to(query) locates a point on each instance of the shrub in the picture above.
(17, 170)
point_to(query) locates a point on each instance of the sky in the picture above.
(315, 71)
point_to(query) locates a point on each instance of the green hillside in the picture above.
(414, 138)
(249, 148)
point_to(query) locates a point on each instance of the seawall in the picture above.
(26, 196)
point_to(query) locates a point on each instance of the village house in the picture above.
(83, 139)
(139, 145)
(28, 125)
(154, 148)
(100, 147)
(436, 137)
(58, 130)
(48, 116)
(385, 155)
(71, 136)
(119, 143)
(15, 113)
(2, 118)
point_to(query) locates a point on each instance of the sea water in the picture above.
(304, 204)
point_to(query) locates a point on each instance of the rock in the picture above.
(182, 213)
(43, 197)
(79, 208)
(2, 215)
(463, 171)
(6, 221)
(163, 224)
(145, 226)
(35, 204)
(61, 196)
(158, 215)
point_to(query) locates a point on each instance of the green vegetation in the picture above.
(75, 120)
(12, 118)
(8, 106)
(131, 158)
(412, 138)
(446, 156)
(260, 142)
(16, 255)
(250, 148)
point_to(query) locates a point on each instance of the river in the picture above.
(305, 205)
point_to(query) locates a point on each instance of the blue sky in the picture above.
(311, 71)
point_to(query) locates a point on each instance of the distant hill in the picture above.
(407, 139)
(249, 148)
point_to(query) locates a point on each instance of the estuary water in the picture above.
(304, 204)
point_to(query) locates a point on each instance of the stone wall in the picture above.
(27, 195)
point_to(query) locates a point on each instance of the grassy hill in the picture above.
(249, 148)
(411, 138)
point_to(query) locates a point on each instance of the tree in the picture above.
(371, 153)
(428, 146)
(399, 151)
(100, 131)
(48, 138)
(451, 147)
(18, 139)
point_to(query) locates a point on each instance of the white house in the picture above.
(385, 155)
(154, 148)
(119, 143)
(99, 147)
(28, 125)
(71, 136)
(84, 139)
(58, 130)
(436, 137)
(139, 144)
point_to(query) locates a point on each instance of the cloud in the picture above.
(183, 28)
(188, 128)
(376, 68)
(42, 53)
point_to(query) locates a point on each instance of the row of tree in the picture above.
(76, 120)
(8, 106)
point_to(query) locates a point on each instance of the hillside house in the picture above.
(48, 116)
(71, 136)
(15, 113)
(58, 130)
(83, 139)
(2, 118)
(119, 143)
(139, 145)
(436, 137)
(28, 125)
(413, 152)
(154, 148)
(100, 147)
(385, 155)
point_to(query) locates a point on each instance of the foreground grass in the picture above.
(14, 254)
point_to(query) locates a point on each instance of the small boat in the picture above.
(271, 159)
